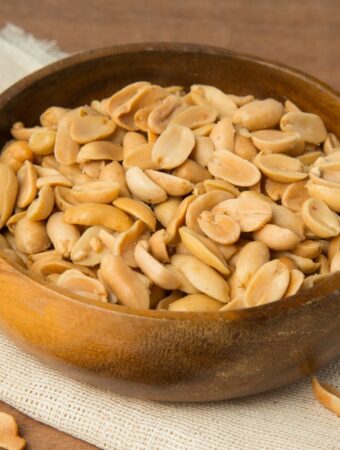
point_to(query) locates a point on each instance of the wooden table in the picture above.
(301, 33)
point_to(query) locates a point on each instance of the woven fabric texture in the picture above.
(286, 419)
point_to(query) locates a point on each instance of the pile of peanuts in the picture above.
(182, 201)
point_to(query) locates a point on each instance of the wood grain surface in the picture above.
(300, 33)
(42, 437)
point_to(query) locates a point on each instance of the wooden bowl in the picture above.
(167, 355)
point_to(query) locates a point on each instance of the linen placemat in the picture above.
(286, 419)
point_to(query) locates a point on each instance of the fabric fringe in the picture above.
(41, 48)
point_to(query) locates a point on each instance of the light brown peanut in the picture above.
(62, 235)
(268, 284)
(244, 147)
(259, 114)
(320, 219)
(192, 171)
(204, 202)
(280, 167)
(31, 237)
(156, 271)
(250, 214)
(224, 104)
(222, 135)
(79, 283)
(41, 142)
(276, 237)
(9, 438)
(195, 302)
(173, 147)
(166, 210)
(295, 282)
(100, 150)
(8, 192)
(27, 179)
(203, 277)
(96, 191)
(15, 153)
(219, 227)
(143, 187)
(309, 126)
(137, 209)
(90, 214)
(274, 141)
(86, 251)
(65, 149)
(174, 186)
(203, 150)
(203, 249)
(232, 168)
(124, 282)
(195, 116)
(251, 258)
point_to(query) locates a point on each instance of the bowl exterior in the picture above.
(157, 355)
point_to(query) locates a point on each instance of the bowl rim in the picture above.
(90, 55)
(253, 313)
(316, 294)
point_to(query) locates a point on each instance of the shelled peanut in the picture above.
(165, 199)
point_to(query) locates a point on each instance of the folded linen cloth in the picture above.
(286, 419)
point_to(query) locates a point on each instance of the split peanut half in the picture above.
(320, 219)
(234, 169)
(125, 243)
(153, 269)
(90, 214)
(9, 439)
(8, 192)
(62, 235)
(99, 151)
(124, 282)
(195, 302)
(251, 258)
(203, 277)
(195, 116)
(15, 153)
(204, 202)
(143, 187)
(203, 150)
(251, 215)
(192, 171)
(79, 283)
(270, 282)
(259, 114)
(327, 395)
(204, 249)
(96, 191)
(309, 126)
(173, 147)
(280, 167)
(222, 135)
(27, 180)
(89, 248)
(223, 103)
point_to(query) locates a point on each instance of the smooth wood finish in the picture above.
(171, 356)
(299, 33)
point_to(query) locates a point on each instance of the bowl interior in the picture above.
(97, 74)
